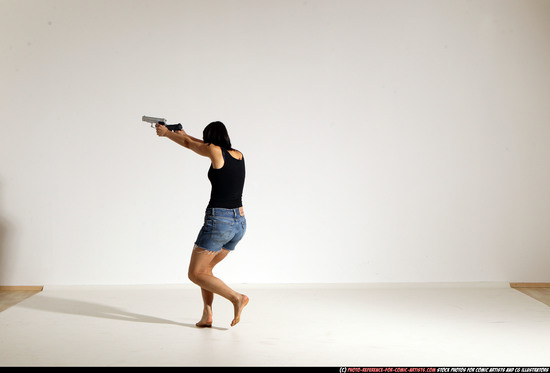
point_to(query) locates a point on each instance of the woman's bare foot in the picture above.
(239, 305)
(206, 320)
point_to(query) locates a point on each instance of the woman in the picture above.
(224, 224)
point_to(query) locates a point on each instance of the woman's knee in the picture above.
(193, 275)
(196, 274)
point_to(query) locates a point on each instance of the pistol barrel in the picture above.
(153, 120)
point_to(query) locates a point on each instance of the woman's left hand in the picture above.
(161, 130)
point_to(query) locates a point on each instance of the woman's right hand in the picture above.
(161, 130)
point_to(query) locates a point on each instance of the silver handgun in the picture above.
(155, 120)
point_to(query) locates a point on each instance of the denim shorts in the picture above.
(223, 228)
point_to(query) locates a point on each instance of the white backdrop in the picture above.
(385, 141)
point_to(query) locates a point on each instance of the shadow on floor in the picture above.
(82, 308)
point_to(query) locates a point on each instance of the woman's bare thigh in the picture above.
(204, 261)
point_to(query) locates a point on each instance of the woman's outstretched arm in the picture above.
(183, 139)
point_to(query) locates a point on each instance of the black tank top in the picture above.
(227, 183)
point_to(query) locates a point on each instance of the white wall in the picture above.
(385, 141)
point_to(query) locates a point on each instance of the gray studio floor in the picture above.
(284, 325)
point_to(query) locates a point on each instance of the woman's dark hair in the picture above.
(216, 133)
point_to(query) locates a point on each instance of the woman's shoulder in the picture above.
(218, 150)
(236, 154)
